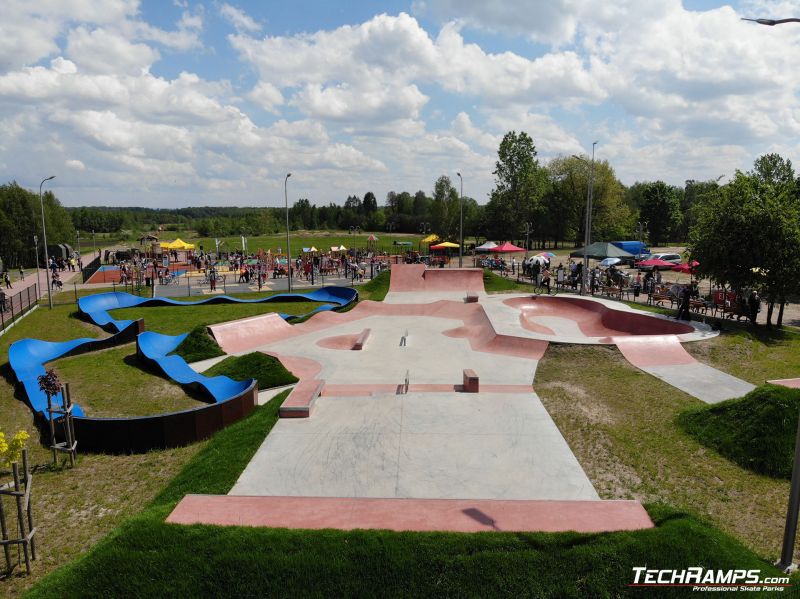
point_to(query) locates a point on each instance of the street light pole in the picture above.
(288, 246)
(44, 239)
(461, 223)
(792, 512)
(587, 238)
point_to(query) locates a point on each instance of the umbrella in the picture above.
(688, 268)
(610, 261)
(432, 238)
(547, 254)
(507, 247)
(656, 262)
(538, 258)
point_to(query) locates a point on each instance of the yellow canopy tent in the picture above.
(178, 244)
(446, 244)
(432, 238)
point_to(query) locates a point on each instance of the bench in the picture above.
(301, 400)
(659, 299)
(471, 298)
(361, 340)
(471, 381)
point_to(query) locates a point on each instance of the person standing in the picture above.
(7, 280)
(683, 311)
(753, 305)
(2, 301)
(21, 273)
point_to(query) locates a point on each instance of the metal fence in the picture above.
(15, 306)
(91, 268)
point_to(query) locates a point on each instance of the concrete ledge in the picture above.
(361, 340)
(300, 401)
(471, 298)
(457, 515)
(471, 381)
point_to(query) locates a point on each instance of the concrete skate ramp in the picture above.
(416, 277)
(240, 335)
(664, 358)
(248, 334)
(552, 315)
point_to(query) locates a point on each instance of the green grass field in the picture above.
(147, 558)
(756, 431)
(268, 371)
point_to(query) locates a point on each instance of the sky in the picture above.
(171, 103)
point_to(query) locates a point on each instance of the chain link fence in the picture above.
(13, 307)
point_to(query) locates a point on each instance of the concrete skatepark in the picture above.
(386, 415)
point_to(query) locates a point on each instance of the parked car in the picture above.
(673, 258)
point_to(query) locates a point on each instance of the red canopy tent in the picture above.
(507, 247)
(688, 267)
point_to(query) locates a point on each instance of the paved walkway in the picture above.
(419, 445)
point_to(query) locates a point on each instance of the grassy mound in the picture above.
(495, 283)
(756, 431)
(198, 345)
(376, 289)
(267, 370)
(145, 556)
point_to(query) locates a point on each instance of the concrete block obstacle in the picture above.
(300, 402)
(361, 340)
(471, 381)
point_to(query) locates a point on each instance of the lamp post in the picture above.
(288, 246)
(44, 240)
(588, 224)
(461, 223)
(94, 246)
(792, 512)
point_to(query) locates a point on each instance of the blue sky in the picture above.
(176, 103)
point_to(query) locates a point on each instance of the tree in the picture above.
(370, 204)
(444, 210)
(762, 209)
(661, 209)
(520, 186)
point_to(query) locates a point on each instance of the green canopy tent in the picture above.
(600, 250)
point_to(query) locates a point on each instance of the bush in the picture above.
(267, 370)
(756, 431)
(198, 345)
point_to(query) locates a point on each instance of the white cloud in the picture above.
(266, 95)
(238, 18)
(76, 165)
(102, 51)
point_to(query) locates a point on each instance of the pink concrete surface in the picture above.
(302, 368)
(250, 333)
(456, 515)
(793, 383)
(300, 401)
(344, 342)
(594, 319)
(416, 277)
(663, 350)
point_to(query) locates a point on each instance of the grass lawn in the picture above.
(753, 354)
(74, 509)
(756, 431)
(621, 425)
(146, 557)
(376, 289)
(494, 283)
(112, 383)
(198, 345)
(171, 320)
(267, 370)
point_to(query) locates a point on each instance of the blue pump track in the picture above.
(28, 357)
